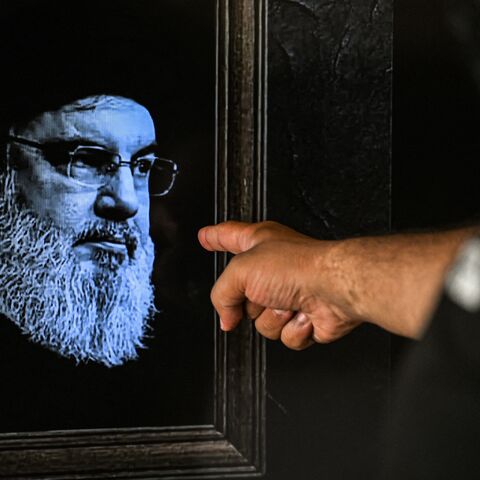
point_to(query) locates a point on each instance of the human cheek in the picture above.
(65, 209)
(72, 210)
(142, 218)
(50, 196)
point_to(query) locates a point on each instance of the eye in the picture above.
(143, 166)
(93, 159)
(56, 154)
(90, 164)
(89, 157)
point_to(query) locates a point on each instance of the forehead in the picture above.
(109, 121)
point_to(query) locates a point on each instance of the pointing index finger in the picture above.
(238, 237)
(225, 237)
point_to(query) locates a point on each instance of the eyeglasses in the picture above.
(93, 166)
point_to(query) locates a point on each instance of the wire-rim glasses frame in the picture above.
(144, 165)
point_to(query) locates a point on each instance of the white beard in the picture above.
(98, 314)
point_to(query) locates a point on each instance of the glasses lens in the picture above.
(162, 176)
(90, 165)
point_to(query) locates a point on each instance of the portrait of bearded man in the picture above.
(76, 254)
(105, 319)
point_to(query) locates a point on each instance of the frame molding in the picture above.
(234, 447)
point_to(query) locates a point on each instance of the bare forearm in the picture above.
(394, 281)
(301, 290)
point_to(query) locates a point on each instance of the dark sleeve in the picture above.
(434, 431)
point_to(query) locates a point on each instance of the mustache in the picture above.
(119, 232)
(115, 232)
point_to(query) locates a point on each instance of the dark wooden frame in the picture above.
(234, 446)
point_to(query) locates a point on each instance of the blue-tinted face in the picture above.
(118, 124)
(76, 251)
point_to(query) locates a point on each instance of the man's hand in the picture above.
(302, 290)
(279, 278)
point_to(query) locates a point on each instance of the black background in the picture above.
(435, 123)
(162, 54)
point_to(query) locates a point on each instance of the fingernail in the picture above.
(300, 319)
(222, 325)
(277, 311)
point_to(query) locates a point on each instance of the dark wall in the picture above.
(436, 116)
(329, 160)
(329, 115)
(436, 113)
(329, 176)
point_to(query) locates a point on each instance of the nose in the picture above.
(118, 199)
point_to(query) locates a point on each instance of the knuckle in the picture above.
(266, 330)
(252, 310)
(267, 227)
(260, 231)
(213, 295)
(294, 342)
(268, 224)
(234, 260)
(296, 345)
(267, 325)
(217, 293)
(322, 335)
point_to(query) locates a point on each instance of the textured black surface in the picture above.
(329, 176)
(329, 115)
